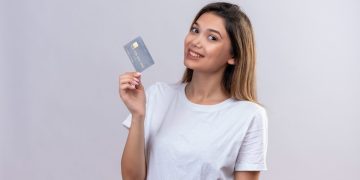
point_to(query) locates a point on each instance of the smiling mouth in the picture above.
(194, 55)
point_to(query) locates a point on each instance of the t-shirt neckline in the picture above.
(203, 107)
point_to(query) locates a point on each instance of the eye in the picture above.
(194, 30)
(212, 38)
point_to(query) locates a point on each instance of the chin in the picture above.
(188, 64)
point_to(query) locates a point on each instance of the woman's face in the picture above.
(207, 45)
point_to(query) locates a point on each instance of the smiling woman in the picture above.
(227, 29)
(208, 40)
(208, 126)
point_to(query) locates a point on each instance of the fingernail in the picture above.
(138, 73)
(136, 79)
(134, 82)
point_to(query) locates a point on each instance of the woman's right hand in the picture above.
(132, 92)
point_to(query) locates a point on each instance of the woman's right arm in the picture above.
(133, 165)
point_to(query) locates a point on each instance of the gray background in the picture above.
(60, 60)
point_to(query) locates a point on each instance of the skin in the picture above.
(207, 37)
(133, 165)
(209, 41)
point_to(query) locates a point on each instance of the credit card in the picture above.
(138, 54)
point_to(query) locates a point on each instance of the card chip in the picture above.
(135, 45)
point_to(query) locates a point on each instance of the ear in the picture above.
(231, 61)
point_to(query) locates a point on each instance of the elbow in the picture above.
(132, 174)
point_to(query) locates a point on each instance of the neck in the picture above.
(206, 88)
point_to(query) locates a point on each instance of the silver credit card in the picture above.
(138, 54)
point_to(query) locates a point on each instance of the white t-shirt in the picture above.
(184, 140)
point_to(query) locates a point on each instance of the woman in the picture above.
(210, 125)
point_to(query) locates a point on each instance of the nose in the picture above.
(196, 42)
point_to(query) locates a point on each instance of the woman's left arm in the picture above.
(246, 175)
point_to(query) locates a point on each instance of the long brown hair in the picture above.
(238, 79)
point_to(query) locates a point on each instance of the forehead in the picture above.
(212, 21)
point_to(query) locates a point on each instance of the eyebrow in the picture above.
(211, 30)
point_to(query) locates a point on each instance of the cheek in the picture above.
(186, 40)
(218, 54)
(214, 51)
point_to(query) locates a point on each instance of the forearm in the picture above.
(133, 164)
(246, 175)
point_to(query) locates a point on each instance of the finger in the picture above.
(130, 81)
(127, 78)
(137, 74)
(134, 75)
(127, 86)
(139, 86)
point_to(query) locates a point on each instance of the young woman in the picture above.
(208, 126)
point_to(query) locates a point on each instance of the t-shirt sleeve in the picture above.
(127, 122)
(252, 153)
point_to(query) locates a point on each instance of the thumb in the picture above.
(140, 85)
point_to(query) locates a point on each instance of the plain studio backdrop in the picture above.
(61, 113)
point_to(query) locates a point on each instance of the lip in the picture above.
(193, 57)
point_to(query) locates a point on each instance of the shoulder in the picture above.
(249, 107)
(255, 113)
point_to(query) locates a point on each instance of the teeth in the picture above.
(194, 54)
